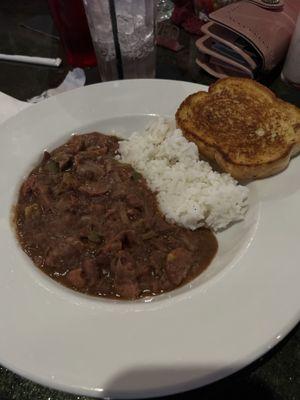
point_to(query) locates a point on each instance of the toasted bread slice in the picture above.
(241, 126)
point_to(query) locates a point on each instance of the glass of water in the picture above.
(123, 33)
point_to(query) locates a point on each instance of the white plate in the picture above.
(245, 302)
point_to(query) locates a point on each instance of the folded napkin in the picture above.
(10, 106)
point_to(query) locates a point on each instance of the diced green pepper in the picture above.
(31, 210)
(52, 166)
(95, 237)
(149, 235)
(136, 176)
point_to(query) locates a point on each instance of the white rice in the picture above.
(189, 192)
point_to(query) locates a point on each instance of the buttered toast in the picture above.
(241, 126)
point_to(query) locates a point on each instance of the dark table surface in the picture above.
(276, 375)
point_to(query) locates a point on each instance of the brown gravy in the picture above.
(92, 224)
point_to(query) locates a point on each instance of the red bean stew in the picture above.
(92, 224)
